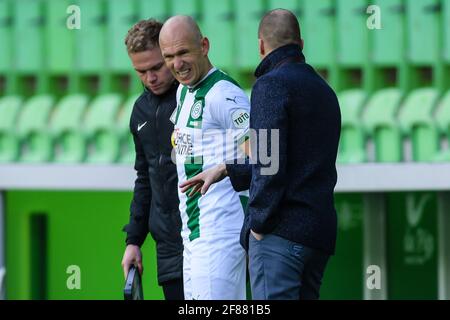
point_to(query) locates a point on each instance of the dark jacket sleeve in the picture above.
(137, 228)
(240, 175)
(268, 111)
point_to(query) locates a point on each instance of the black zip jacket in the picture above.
(154, 207)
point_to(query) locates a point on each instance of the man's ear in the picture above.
(302, 43)
(262, 49)
(205, 46)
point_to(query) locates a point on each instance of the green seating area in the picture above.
(80, 129)
(66, 94)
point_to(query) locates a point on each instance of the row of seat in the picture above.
(391, 126)
(388, 126)
(334, 31)
(71, 130)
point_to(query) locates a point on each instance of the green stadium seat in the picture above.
(423, 40)
(59, 38)
(100, 129)
(186, 7)
(352, 32)
(121, 17)
(90, 45)
(68, 140)
(6, 53)
(127, 152)
(318, 22)
(249, 13)
(388, 42)
(446, 22)
(29, 28)
(417, 123)
(379, 119)
(9, 144)
(218, 16)
(156, 9)
(442, 119)
(292, 5)
(32, 131)
(352, 140)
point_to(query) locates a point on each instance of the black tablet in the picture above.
(133, 285)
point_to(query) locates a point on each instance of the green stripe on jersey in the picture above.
(202, 89)
(182, 96)
(193, 166)
(244, 202)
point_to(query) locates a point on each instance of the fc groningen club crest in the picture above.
(196, 110)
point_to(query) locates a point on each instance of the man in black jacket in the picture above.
(154, 207)
(291, 226)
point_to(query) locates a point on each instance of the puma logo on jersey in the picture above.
(229, 99)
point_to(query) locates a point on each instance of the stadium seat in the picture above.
(217, 17)
(446, 22)
(6, 53)
(69, 143)
(36, 142)
(318, 22)
(59, 38)
(423, 32)
(186, 7)
(417, 123)
(121, 17)
(352, 141)
(388, 42)
(127, 152)
(249, 14)
(442, 119)
(379, 119)
(352, 32)
(100, 129)
(292, 5)
(153, 9)
(9, 144)
(90, 45)
(29, 28)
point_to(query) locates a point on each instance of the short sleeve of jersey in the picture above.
(230, 107)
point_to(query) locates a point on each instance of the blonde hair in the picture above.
(143, 36)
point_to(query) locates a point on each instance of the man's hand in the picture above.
(132, 256)
(258, 236)
(204, 180)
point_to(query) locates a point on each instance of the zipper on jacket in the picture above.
(158, 132)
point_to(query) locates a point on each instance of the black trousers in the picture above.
(173, 289)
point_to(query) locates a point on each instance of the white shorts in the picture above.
(214, 268)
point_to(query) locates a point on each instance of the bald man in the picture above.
(211, 109)
(291, 227)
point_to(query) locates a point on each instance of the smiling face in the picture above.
(186, 54)
(152, 70)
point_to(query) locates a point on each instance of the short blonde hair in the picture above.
(143, 36)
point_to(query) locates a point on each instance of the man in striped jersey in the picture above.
(211, 110)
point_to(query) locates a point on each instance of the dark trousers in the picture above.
(284, 270)
(173, 289)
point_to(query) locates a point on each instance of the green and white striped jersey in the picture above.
(211, 120)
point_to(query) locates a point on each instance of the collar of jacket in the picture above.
(174, 87)
(278, 55)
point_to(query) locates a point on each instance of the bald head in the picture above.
(184, 49)
(182, 26)
(279, 27)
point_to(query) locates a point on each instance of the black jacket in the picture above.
(154, 207)
(296, 202)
